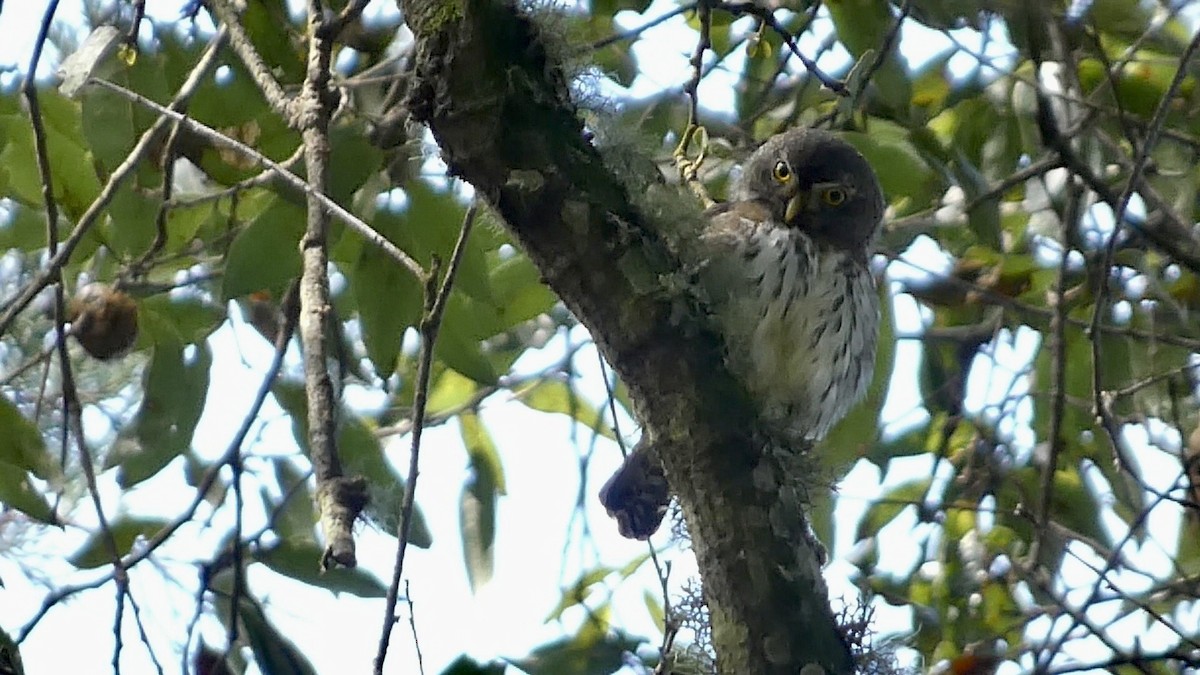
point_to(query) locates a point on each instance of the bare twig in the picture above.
(431, 322)
(206, 482)
(292, 180)
(1078, 618)
(340, 499)
(1058, 364)
(635, 32)
(689, 166)
(145, 638)
(71, 409)
(412, 623)
(279, 100)
(1135, 175)
(1038, 316)
(51, 268)
(262, 178)
(885, 51)
(767, 16)
(139, 266)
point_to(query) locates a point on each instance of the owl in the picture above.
(785, 265)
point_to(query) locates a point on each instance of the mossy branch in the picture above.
(500, 108)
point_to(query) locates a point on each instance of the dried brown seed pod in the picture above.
(103, 320)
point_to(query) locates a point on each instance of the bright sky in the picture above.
(535, 530)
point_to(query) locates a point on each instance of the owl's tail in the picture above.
(637, 495)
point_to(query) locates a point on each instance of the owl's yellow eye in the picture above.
(833, 196)
(782, 173)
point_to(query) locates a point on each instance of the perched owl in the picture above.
(785, 265)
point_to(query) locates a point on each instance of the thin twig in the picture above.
(292, 180)
(72, 410)
(663, 572)
(431, 322)
(1151, 380)
(1078, 618)
(264, 177)
(689, 166)
(1043, 315)
(280, 101)
(761, 106)
(118, 619)
(339, 498)
(636, 32)
(1135, 175)
(887, 49)
(767, 16)
(145, 638)
(412, 623)
(1058, 365)
(51, 268)
(210, 477)
(138, 267)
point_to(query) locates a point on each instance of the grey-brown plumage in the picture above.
(785, 265)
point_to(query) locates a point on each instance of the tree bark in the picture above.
(501, 111)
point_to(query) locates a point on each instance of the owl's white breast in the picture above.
(802, 330)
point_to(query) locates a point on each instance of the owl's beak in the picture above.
(795, 206)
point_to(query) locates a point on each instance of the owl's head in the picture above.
(818, 183)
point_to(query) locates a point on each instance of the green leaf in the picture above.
(186, 224)
(608, 8)
(1074, 506)
(477, 516)
(274, 653)
(519, 292)
(433, 220)
(1188, 555)
(578, 591)
(449, 392)
(174, 391)
(594, 651)
(75, 183)
(361, 454)
(17, 492)
(352, 159)
(477, 505)
(300, 560)
(654, 606)
(108, 126)
(294, 518)
(465, 666)
(180, 320)
(125, 531)
(389, 301)
(555, 396)
(906, 177)
(864, 25)
(21, 444)
(459, 347)
(890, 505)
(25, 228)
(265, 255)
(485, 459)
(275, 39)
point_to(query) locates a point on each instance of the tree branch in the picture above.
(340, 499)
(500, 110)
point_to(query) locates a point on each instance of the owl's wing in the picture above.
(724, 240)
(730, 223)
